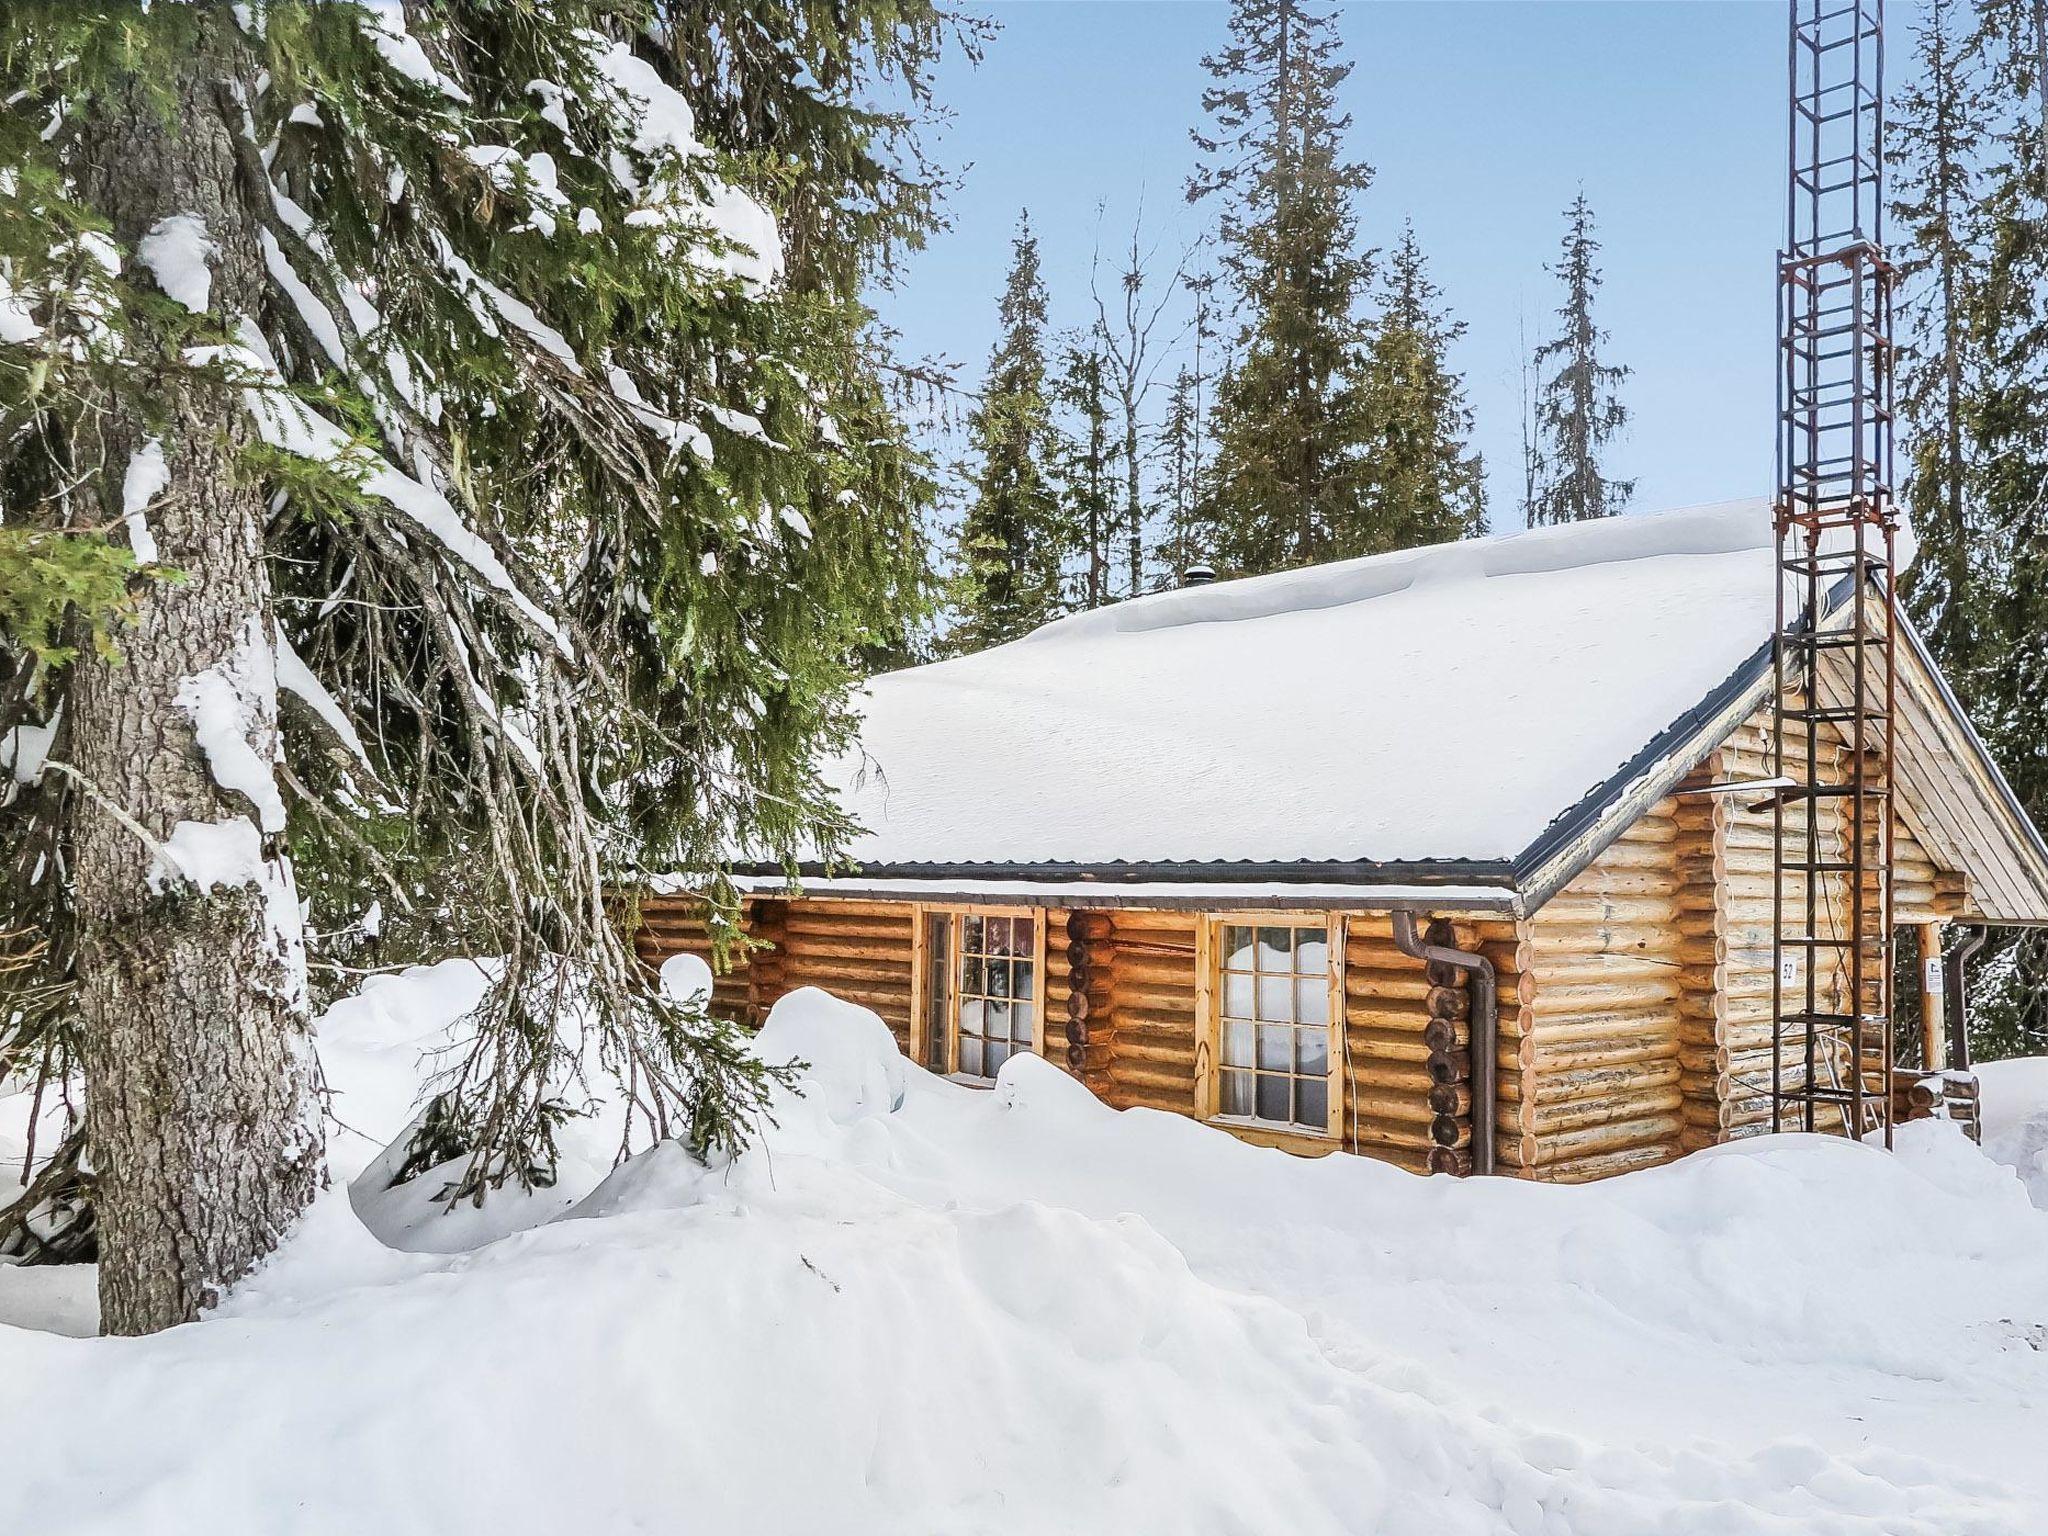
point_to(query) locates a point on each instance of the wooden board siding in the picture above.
(1596, 1087)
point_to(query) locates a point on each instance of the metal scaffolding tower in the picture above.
(1832, 944)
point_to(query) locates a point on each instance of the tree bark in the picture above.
(204, 1135)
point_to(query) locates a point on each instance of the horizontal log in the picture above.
(1591, 1113)
(1584, 1170)
(1609, 1136)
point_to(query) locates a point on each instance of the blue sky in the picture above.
(1482, 119)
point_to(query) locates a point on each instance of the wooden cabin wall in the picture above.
(1595, 1038)
(1405, 1053)
(1729, 1046)
(674, 925)
(1151, 1013)
(861, 951)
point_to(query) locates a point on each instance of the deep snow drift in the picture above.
(920, 1308)
(2015, 1105)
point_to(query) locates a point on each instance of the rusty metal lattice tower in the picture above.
(1832, 944)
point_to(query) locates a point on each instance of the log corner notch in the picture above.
(1448, 966)
(1091, 991)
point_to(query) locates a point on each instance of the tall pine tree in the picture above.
(1578, 407)
(1423, 484)
(1013, 537)
(445, 407)
(1287, 424)
(2004, 603)
(1936, 137)
(1087, 462)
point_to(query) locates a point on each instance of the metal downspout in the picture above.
(1958, 1010)
(1485, 1030)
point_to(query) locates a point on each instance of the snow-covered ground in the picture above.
(2015, 1106)
(921, 1308)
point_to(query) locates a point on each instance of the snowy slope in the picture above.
(919, 1308)
(1440, 703)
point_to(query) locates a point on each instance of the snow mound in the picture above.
(686, 979)
(2015, 1108)
(851, 1066)
(916, 1306)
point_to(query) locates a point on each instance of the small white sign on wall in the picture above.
(1788, 968)
(1930, 976)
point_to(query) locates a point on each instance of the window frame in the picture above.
(1209, 1025)
(955, 915)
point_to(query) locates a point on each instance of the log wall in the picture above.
(1609, 963)
(1634, 1005)
(674, 925)
(859, 950)
(1153, 1060)
(1729, 1058)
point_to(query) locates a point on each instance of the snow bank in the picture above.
(2015, 1108)
(1018, 1311)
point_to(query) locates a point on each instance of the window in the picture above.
(1273, 1005)
(981, 999)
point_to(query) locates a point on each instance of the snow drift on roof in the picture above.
(1435, 704)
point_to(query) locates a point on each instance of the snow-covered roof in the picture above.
(1444, 704)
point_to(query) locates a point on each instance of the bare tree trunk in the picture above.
(199, 1074)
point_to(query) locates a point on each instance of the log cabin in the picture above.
(1458, 857)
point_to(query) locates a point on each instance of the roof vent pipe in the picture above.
(1198, 575)
(1485, 1030)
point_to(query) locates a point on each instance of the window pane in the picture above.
(1020, 1025)
(1276, 998)
(1002, 935)
(1237, 1044)
(1024, 983)
(1312, 1106)
(1236, 1095)
(970, 1017)
(998, 1021)
(1276, 948)
(1237, 995)
(1276, 1048)
(1314, 1048)
(1273, 1097)
(970, 1056)
(997, 1055)
(972, 981)
(1237, 948)
(999, 977)
(1312, 1000)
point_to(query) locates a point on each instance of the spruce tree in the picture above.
(1087, 463)
(1423, 482)
(1287, 421)
(1936, 138)
(1579, 409)
(1013, 537)
(2004, 606)
(1179, 452)
(484, 536)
